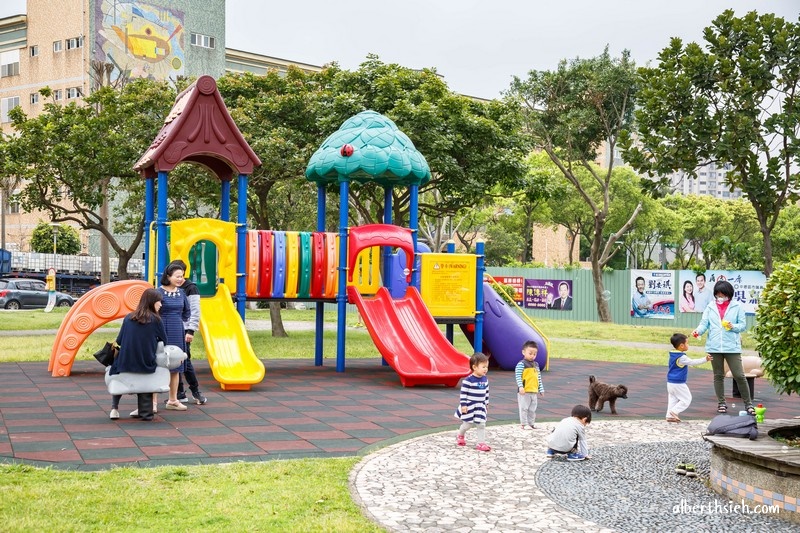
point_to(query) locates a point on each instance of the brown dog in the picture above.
(600, 393)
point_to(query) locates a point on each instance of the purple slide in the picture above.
(504, 332)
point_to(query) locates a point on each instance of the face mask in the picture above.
(721, 300)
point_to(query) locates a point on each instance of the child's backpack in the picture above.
(734, 426)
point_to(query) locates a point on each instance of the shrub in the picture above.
(506, 292)
(777, 330)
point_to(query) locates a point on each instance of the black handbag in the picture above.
(106, 354)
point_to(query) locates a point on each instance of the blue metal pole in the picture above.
(241, 244)
(161, 226)
(341, 296)
(478, 342)
(386, 251)
(149, 214)
(448, 329)
(320, 311)
(413, 223)
(225, 201)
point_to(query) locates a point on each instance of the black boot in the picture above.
(145, 402)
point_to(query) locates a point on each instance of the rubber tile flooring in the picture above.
(299, 410)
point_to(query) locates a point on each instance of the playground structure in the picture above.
(231, 264)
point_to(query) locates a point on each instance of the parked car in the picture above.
(19, 293)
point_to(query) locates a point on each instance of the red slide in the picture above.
(409, 339)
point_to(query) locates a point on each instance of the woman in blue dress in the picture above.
(174, 311)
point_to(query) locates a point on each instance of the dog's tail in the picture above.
(591, 379)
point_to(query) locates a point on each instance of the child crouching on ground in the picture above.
(473, 401)
(569, 437)
(679, 396)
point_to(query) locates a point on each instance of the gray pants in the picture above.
(737, 371)
(527, 408)
(480, 430)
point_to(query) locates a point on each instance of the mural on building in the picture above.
(140, 39)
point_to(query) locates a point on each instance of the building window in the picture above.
(6, 105)
(9, 63)
(13, 203)
(58, 94)
(198, 39)
(57, 46)
(74, 42)
(34, 50)
(34, 98)
(74, 92)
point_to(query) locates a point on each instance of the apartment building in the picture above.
(710, 179)
(71, 46)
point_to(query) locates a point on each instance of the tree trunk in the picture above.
(105, 264)
(276, 320)
(122, 269)
(603, 310)
(767, 234)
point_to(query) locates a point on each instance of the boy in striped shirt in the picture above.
(473, 401)
(529, 385)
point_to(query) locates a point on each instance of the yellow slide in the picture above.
(230, 354)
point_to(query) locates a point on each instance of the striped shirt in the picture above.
(528, 376)
(475, 397)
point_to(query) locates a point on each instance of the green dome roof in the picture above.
(380, 152)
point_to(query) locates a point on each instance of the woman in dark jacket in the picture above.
(138, 339)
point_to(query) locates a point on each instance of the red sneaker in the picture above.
(460, 440)
(483, 447)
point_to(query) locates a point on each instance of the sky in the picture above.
(478, 46)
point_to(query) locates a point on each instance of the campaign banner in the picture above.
(553, 294)
(652, 294)
(697, 290)
(516, 282)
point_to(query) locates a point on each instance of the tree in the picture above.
(67, 241)
(279, 116)
(787, 234)
(470, 145)
(737, 245)
(777, 331)
(8, 183)
(704, 218)
(63, 155)
(733, 102)
(569, 113)
(529, 206)
(502, 246)
(656, 229)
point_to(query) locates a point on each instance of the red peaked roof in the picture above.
(199, 129)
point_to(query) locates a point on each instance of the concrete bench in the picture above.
(167, 358)
(752, 370)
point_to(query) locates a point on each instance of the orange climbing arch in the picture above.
(97, 307)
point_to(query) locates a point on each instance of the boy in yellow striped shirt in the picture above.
(529, 385)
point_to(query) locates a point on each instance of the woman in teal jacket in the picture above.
(724, 319)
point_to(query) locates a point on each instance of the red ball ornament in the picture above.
(347, 150)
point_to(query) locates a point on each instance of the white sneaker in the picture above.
(114, 414)
(527, 426)
(135, 413)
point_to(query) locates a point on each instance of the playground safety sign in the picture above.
(448, 284)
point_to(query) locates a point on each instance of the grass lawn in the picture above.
(287, 495)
